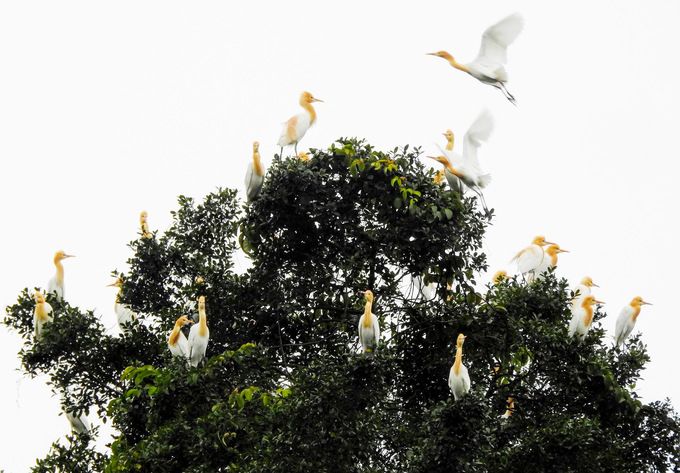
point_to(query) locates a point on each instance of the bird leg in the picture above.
(281, 152)
(296, 153)
(481, 199)
(507, 94)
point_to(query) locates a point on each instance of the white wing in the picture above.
(624, 325)
(479, 131)
(496, 39)
(529, 258)
(54, 286)
(79, 424)
(197, 345)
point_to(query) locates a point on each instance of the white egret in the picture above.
(369, 326)
(56, 284)
(531, 257)
(79, 424)
(459, 379)
(254, 174)
(549, 259)
(582, 317)
(426, 291)
(41, 315)
(582, 290)
(177, 341)
(199, 335)
(627, 318)
(144, 224)
(296, 127)
(466, 168)
(124, 314)
(489, 68)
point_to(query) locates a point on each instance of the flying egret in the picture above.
(199, 335)
(144, 224)
(79, 424)
(582, 317)
(296, 127)
(531, 257)
(254, 174)
(466, 168)
(459, 379)
(627, 319)
(582, 290)
(488, 67)
(124, 314)
(41, 315)
(177, 341)
(549, 259)
(56, 284)
(369, 327)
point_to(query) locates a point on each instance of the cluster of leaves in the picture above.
(284, 388)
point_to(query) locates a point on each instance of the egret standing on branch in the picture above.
(582, 317)
(466, 168)
(42, 314)
(581, 291)
(459, 379)
(254, 174)
(199, 335)
(296, 127)
(124, 314)
(79, 424)
(56, 284)
(177, 341)
(369, 327)
(488, 67)
(144, 224)
(531, 257)
(627, 318)
(549, 259)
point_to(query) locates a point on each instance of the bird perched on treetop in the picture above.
(296, 127)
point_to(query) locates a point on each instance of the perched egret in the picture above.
(296, 127)
(582, 317)
(144, 224)
(440, 177)
(627, 318)
(254, 174)
(124, 314)
(41, 315)
(302, 156)
(466, 168)
(581, 291)
(488, 67)
(199, 335)
(531, 257)
(459, 379)
(549, 259)
(454, 182)
(177, 341)
(369, 327)
(426, 291)
(511, 406)
(449, 140)
(56, 284)
(79, 424)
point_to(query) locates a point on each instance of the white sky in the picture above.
(110, 109)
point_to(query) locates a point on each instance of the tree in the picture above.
(284, 386)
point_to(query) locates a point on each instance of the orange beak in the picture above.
(598, 302)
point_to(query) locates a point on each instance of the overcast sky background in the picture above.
(108, 109)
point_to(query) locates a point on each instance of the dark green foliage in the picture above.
(283, 388)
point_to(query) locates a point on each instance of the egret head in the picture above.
(60, 255)
(143, 216)
(39, 297)
(588, 301)
(500, 275)
(637, 302)
(368, 294)
(541, 241)
(461, 340)
(554, 250)
(183, 320)
(303, 156)
(256, 147)
(201, 303)
(306, 97)
(588, 282)
(439, 177)
(448, 135)
(199, 280)
(442, 54)
(440, 159)
(118, 283)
